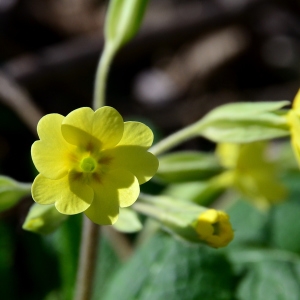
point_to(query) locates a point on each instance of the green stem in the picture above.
(101, 75)
(175, 139)
(87, 260)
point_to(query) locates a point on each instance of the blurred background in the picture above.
(189, 57)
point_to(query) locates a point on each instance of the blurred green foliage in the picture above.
(262, 262)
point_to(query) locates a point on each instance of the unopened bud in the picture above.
(43, 219)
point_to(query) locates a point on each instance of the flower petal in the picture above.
(117, 188)
(81, 118)
(294, 123)
(134, 159)
(296, 102)
(70, 196)
(51, 155)
(136, 134)
(77, 127)
(108, 126)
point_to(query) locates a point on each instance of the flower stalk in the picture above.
(101, 75)
(87, 259)
(175, 139)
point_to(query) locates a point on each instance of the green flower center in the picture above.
(88, 164)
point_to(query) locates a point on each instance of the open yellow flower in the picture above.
(251, 173)
(91, 162)
(293, 119)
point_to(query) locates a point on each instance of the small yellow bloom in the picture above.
(214, 228)
(251, 173)
(293, 119)
(91, 162)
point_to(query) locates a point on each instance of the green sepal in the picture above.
(175, 216)
(43, 219)
(244, 122)
(11, 192)
(123, 20)
(187, 166)
(128, 221)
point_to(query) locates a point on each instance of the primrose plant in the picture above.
(92, 162)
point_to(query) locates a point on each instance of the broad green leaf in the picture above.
(284, 221)
(248, 223)
(128, 221)
(108, 263)
(187, 166)
(247, 256)
(267, 274)
(11, 192)
(245, 122)
(165, 268)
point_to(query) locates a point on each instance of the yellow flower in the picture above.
(214, 228)
(251, 174)
(91, 162)
(293, 119)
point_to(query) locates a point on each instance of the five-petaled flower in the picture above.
(91, 162)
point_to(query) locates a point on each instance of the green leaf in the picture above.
(128, 221)
(107, 264)
(285, 226)
(187, 166)
(284, 221)
(165, 268)
(244, 122)
(248, 223)
(273, 281)
(11, 192)
(268, 274)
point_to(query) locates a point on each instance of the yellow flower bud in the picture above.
(214, 228)
(188, 221)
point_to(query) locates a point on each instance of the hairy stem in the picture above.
(87, 260)
(175, 139)
(101, 76)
